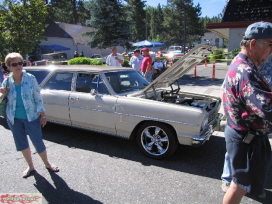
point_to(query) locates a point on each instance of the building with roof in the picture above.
(239, 14)
(211, 38)
(69, 36)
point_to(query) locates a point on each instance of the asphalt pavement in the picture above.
(207, 80)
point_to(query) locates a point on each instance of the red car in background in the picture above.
(161, 53)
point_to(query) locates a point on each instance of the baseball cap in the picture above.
(136, 50)
(145, 49)
(258, 30)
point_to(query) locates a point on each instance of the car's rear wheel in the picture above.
(157, 140)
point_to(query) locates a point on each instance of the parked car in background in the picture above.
(175, 48)
(35, 57)
(129, 54)
(51, 58)
(161, 53)
(174, 51)
(120, 102)
(96, 56)
(99, 57)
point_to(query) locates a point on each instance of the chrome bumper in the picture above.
(199, 140)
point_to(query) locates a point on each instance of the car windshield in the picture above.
(39, 74)
(126, 81)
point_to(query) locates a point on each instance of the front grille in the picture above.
(212, 117)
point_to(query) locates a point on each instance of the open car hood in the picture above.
(181, 67)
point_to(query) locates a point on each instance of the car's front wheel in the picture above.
(157, 140)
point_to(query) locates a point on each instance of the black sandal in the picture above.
(53, 169)
(28, 173)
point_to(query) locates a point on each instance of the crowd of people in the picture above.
(141, 61)
(78, 55)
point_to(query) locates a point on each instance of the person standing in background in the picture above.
(136, 60)
(115, 59)
(146, 67)
(76, 54)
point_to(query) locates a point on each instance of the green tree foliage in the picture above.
(214, 19)
(108, 20)
(182, 18)
(68, 11)
(136, 19)
(22, 24)
(155, 21)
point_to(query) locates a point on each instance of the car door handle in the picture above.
(74, 98)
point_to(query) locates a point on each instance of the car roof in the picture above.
(97, 68)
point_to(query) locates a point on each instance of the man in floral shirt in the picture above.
(248, 107)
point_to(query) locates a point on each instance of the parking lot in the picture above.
(96, 168)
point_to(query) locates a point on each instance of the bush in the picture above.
(217, 54)
(84, 60)
(235, 52)
(126, 63)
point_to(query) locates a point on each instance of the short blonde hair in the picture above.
(11, 56)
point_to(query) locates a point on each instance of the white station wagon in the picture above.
(120, 102)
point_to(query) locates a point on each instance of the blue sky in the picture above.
(210, 8)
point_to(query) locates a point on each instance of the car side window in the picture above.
(60, 81)
(87, 81)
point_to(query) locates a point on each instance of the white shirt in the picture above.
(136, 62)
(158, 65)
(111, 61)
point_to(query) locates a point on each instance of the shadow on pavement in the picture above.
(205, 161)
(61, 192)
(3, 122)
(190, 80)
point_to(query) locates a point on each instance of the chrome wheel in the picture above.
(157, 140)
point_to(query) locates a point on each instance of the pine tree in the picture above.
(136, 18)
(108, 21)
(156, 18)
(182, 22)
(68, 11)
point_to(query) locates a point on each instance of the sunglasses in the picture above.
(15, 64)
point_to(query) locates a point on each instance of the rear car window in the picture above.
(60, 81)
(39, 74)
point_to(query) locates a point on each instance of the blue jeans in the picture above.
(249, 162)
(21, 128)
(148, 77)
(226, 175)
